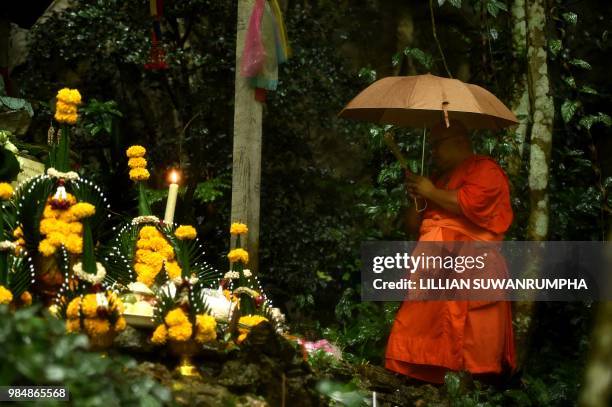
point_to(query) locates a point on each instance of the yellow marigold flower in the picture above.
(241, 338)
(139, 174)
(167, 253)
(82, 210)
(55, 238)
(26, 298)
(137, 162)
(89, 306)
(136, 151)
(180, 332)
(157, 244)
(159, 335)
(46, 248)
(120, 324)
(69, 96)
(5, 295)
(50, 213)
(65, 108)
(67, 217)
(173, 269)
(185, 232)
(74, 244)
(149, 232)
(18, 232)
(6, 191)
(206, 328)
(238, 228)
(150, 258)
(75, 228)
(66, 118)
(146, 278)
(96, 326)
(73, 325)
(116, 304)
(72, 311)
(238, 255)
(176, 317)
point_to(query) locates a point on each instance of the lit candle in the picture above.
(172, 195)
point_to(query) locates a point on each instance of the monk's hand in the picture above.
(419, 186)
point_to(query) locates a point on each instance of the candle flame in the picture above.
(174, 177)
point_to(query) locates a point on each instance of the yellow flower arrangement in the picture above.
(185, 232)
(152, 252)
(206, 328)
(160, 335)
(238, 228)
(139, 174)
(136, 151)
(5, 295)
(96, 318)
(238, 255)
(247, 322)
(63, 226)
(6, 191)
(66, 105)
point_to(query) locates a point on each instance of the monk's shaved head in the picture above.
(456, 128)
(450, 145)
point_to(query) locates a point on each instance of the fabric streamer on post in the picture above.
(157, 56)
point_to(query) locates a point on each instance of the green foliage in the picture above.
(341, 394)
(37, 351)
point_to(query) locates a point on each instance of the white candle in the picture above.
(172, 195)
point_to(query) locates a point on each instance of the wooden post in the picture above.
(246, 172)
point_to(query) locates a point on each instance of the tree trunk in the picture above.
(542, 109)
(520, 104)
(246, 173)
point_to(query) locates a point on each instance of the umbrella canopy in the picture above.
(426, 100)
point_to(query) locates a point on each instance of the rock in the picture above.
(134, 340)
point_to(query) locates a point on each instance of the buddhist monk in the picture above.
(468, 199)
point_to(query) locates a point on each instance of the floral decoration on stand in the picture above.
(53, 208)
(244, 288)
(16, 272)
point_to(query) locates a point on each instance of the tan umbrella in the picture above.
(426, 100)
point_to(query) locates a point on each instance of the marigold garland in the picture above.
(66, 105)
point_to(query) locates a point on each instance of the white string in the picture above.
(416, 204)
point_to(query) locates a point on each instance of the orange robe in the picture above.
(430, 337)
